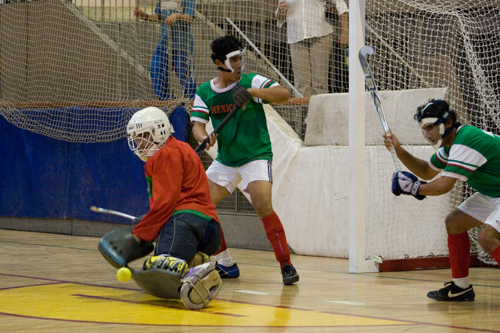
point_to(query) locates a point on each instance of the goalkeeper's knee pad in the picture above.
(199, 258)
(172, 264)
(200, 285)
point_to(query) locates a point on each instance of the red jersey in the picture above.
(176, 181)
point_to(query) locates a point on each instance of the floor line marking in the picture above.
(253, 292)
(344, 302)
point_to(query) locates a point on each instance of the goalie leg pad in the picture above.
(199, 258)
(200, 285)
(119, 247)
(173, 265)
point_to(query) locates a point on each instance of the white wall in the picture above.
(310, 190)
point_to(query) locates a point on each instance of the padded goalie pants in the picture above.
(185, 234)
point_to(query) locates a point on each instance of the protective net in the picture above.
(421, 45)
(77, 70)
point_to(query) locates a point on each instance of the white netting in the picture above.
(77, 70)
(422, 44)
(58, 56)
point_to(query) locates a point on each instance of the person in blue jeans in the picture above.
(175, 17)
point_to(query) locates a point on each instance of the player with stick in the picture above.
(244, 146)
(181, 217)
(466, 153)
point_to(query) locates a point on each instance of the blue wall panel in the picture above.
(41, 177)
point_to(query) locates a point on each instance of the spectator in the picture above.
(175, 17)
(311, 37)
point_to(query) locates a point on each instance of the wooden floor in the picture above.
(56, 283)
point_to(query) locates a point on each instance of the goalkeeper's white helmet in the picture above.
(147, 132)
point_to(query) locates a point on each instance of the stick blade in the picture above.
(366, 50)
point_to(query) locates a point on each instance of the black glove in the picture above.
(119, 247)
(404, 182)
(240, 95)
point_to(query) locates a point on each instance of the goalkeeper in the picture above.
(466, 153)
(181, 218)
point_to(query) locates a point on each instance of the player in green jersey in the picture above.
(244, 148)
(466, 153)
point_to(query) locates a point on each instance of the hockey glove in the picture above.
(404, 182)
(240, 95)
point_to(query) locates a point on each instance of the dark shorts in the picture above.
(185, 234)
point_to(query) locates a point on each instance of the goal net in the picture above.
(421, 45)
(77, 70)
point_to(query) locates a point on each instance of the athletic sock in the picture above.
(276, 236)
(462, 282)
(459, 247)
(223, 256)
(496, 255)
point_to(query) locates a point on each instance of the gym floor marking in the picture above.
(345, 303)
(260, 293)
(88, 303)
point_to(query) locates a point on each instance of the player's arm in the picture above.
(145, 16)
(200, 133)
(404, 182)
(170, 21)
(167, 177)
(419, 167)
(439, 186)
(275, 94)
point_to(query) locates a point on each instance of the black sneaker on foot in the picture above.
(452, 292)
(228, 272)
(289, 274)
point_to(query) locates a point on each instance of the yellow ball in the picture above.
(124, 274)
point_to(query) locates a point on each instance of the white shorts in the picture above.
(483, 208)
(229, 177)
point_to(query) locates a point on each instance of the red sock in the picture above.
(459, 247)
(276, 235)
(496, 255)
(223, 246)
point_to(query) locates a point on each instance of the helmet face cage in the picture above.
(235, 55)
(433, 121)
(147, 132)
(435, 112)
(141, 142)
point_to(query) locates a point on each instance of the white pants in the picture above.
(230, 177)
(483, 208)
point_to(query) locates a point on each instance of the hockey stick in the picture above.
(111, 212)
(372, 87)
(224, 121)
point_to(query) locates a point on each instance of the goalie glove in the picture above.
(240, 95)
(404, 182)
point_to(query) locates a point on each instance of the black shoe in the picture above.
(227, 272)
(452, 292)
(289, 274)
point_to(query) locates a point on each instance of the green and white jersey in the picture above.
(245, 137)
(473, 157)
